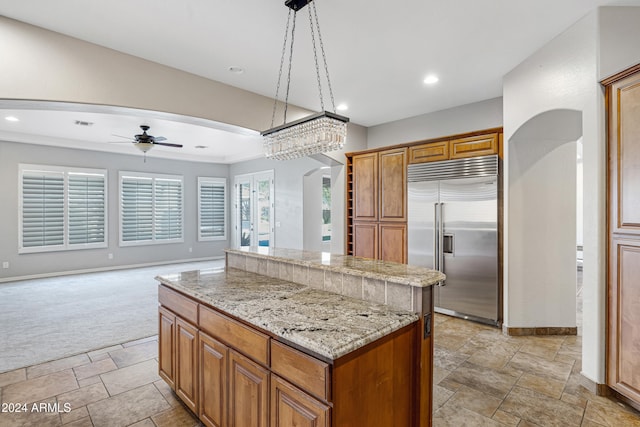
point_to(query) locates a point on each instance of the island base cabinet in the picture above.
(186, 363)
(248, 392)
(213, 381)
(292, 407)
(166, 338)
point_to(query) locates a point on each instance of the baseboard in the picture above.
(551, 330)
(103, 269)
(594, 387)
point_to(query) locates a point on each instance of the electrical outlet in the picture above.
(110, 256)
(5, 264)
(190, 249)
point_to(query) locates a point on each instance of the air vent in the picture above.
(448, 169)
(83, 123)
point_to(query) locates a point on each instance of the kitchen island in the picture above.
(243, 347)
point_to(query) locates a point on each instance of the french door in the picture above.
(253, 204)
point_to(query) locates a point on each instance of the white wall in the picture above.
(466, 118)
(564, 74)
(542, 221)
(13, 153)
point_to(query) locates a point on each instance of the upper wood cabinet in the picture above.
(430, 152)
(365, 187)
(393, 185)
(379, 186)
(458, 148)
(623, 316)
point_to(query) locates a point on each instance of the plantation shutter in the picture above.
(137, 209)
(86, 208)
(42, 209)
(212, 209)
(168, 209)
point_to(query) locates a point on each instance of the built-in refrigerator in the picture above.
(453, 227)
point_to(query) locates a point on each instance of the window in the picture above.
(326, 208)
(62, 208)
(212, 208)
(150, 208)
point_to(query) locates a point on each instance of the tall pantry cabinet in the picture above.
(623, 318)
(377, 204)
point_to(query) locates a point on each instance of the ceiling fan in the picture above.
(144, 142)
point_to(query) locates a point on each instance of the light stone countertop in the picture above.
(375, 269)
(327, 324)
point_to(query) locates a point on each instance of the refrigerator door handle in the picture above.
(436, 240)
(441, 242)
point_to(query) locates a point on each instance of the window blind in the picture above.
(42, 209)
(137, 209)
(212, 208)
(86, 208)
(168, 209)
(62, 208)
(151, 208)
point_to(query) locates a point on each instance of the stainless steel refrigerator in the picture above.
(453, 227)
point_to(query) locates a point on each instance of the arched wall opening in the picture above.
(542, 208)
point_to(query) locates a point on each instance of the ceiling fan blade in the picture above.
(168, 144)
(120, 142)
(120, 136)
(159, 138)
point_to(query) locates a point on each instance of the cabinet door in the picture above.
(365, 186)
(393, 242)
(292, 407)
(166, 350)
(365, 240)
(187, 363)
(430, 152)
(393, 185)
(474, 146)
(248, 392)
(623, 322)
(212, 399)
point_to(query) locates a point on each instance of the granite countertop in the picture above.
(327, 324)
(375, 269)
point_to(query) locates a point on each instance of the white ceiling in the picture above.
(378, 54)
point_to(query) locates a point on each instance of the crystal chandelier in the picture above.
(317, 133)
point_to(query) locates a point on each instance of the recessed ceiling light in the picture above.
(83, 123)
(342, 107)
(236, 70)
(12, 119)
(201, 146)
(431, 79)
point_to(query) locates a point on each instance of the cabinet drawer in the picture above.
(430, 152)
(481, 145)
(235, 334)
(181, 305)
(308, 373)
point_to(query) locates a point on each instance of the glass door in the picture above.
(254, 209)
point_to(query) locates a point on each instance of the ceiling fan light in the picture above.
(144, 146)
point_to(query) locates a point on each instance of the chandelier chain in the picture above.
(324, 57)
(293, 34)
(284, 49)
(315, 58)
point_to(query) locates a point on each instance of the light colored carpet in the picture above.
(47, 319)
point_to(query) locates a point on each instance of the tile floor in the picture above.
(481, 378)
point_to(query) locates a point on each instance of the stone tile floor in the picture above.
(481, 378)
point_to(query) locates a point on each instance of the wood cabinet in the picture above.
(279, 386)
(378, 189)
(186, 359)
(456, 148)
(292, 407)
(166, 337)
(213, 362)
(248, 392)
(393, 242)
(623, 323)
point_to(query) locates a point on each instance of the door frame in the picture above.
(252, 179)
